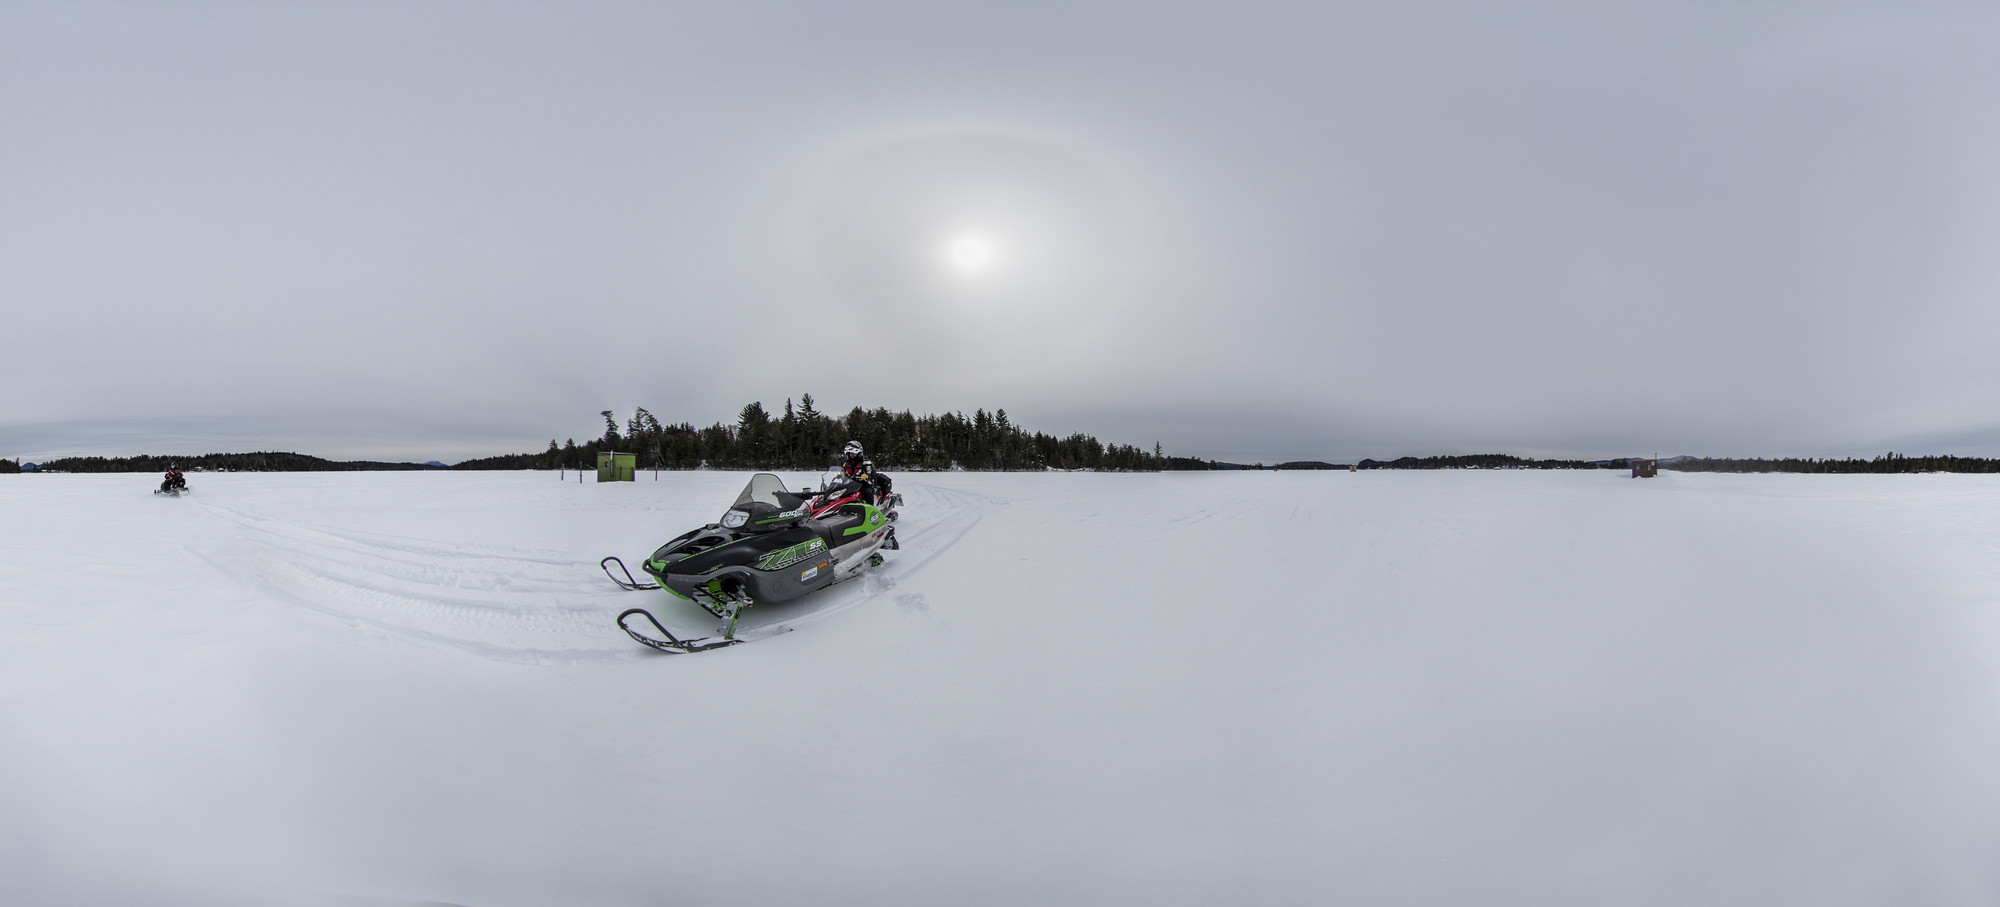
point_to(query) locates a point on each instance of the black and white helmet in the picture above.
(853, 449)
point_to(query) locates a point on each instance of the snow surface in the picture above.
(1241, 688)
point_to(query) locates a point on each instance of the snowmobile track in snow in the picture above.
(532, 606)
(494, 602)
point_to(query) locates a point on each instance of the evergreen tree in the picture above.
(610, 431)
(814, 430)
(788, 435)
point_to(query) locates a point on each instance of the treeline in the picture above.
(262, 461)
(1891, 462)
(1479, 461)
(803, 438)
(1887, 463)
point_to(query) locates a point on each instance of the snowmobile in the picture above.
(174, 485)
(771, 546)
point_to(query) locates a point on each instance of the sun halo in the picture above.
(969, 254)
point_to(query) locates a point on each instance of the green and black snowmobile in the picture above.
(771, 546)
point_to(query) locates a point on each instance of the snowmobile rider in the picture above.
(175, 481)
(874, 485)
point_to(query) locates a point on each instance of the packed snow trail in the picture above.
(507, 603)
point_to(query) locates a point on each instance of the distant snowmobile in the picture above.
(771, 546)
(175, 484)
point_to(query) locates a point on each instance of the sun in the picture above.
(969, 254)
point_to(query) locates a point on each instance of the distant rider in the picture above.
(874, 485)
(175, 481)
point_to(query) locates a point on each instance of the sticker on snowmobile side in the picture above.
(779, 560)
(809, 574)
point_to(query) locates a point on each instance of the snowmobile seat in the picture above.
(834, 526)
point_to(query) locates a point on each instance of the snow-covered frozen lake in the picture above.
(1233, 688)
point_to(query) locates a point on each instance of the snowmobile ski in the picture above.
(672, 644)
(628, 583)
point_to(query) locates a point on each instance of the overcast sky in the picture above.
(1247, 231)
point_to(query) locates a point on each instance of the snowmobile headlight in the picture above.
(734, 519)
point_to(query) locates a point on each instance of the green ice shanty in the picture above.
(616, 467)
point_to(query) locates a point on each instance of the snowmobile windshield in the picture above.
(764, 488)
